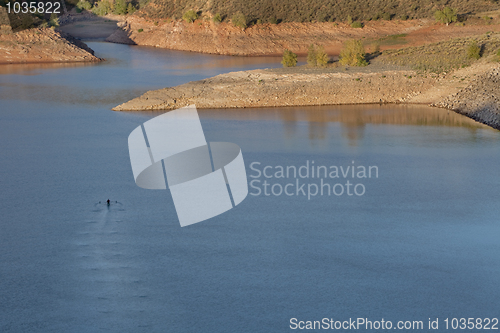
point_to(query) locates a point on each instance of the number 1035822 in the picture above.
(34, 7)
(471, 323)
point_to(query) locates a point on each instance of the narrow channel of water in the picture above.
(421, 241)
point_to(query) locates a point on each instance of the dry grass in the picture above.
(443, 56)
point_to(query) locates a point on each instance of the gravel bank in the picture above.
(264, 88)
(480, 100)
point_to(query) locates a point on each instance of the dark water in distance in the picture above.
(421, 243)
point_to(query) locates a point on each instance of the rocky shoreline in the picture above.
(43, 45)
(480, 100)
(458, 91)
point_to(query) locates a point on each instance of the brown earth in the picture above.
(43, 45)
(271, 39)
(304, 86)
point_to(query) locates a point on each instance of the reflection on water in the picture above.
(353, 119)
(352, 115)
(33, 69)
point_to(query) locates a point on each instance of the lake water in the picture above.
(421, 242)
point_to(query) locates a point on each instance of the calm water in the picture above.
(422, 242)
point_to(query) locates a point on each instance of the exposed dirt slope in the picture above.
(272, 39)
(43, 45)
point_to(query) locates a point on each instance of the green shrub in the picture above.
(473, 51)
(349, 19)
(78, 10)
(321, 57)
(311, 55)
(84, 5)
(404, 17)
(375, 48)
(487, 19)
(140, 30)
(356, 24)
(217, 18)
(497, 56)
(102, 8)
(353, 53)
(447, 15)
(289, 59)
(54, 20)
(190, 16)
(239, 20)
(273, 20)
(130, 8)
(120, 7)
(386, 16)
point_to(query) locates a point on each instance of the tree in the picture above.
(353, 53)
(321, 57)
(316, 56)
(84, 5)
(311, 56)
(447, 15)
(120, 7)
(102, 8)
(190, 16)
(289, 59)
(130, 8)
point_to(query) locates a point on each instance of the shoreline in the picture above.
(43, 45)
(271, 39)
(461, 91)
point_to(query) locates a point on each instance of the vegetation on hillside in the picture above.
(444, 56)
(190, 16)
(447, 15)
(270, 11)
(353, 53)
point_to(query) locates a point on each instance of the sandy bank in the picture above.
(43, 45)
(305, 86)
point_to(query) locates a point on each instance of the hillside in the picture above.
(43, 45)
(269, 11)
